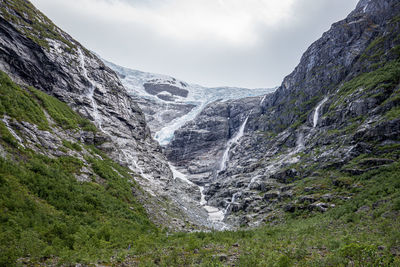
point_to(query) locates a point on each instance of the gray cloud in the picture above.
(234, 42)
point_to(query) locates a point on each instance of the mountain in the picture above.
(169, 103)
(336, 115)
(304, 175)
(35, 52)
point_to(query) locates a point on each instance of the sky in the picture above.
(242, 43)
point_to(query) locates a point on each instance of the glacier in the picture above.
(199, 96)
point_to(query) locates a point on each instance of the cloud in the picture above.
(229, 21)
(252, 43)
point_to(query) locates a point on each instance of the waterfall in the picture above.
(262, 100)
(232, 141)
(316, 112)
(90, 94)
(300, 142)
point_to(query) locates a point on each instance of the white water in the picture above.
(262, 100)
(95, 113)
(300, 142)
(214, 214)
(232, 141)
(13, 133)
(232, 201)
(316, 112)
(365, 8)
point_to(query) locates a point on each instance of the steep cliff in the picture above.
(337, 110)
(35, 52)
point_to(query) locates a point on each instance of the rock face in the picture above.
(340, 102)
(201, 143)
(35, 52)
(79, 78)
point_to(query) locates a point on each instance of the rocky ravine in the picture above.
(35, 52)
(324, 114)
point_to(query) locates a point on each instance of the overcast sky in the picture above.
(244, 43)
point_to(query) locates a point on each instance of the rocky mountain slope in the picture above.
(340, 104)
(35, 52)
(315, 164)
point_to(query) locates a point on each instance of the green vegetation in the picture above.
(26, 105)
(49, 217)
(19, 104)
(72, 146)
(46, 214)
(61, 113)
(385, 77)
(7, 136)
(394, 113)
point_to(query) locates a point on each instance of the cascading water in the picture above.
(232, 141)
(215, 215)
(90, 94)
(262, 100)
(233, 199)
(316, 112)
(300, 142)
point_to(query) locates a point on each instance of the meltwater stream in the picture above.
(215, 215)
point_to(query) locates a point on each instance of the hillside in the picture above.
(334, 117)
(308, 175)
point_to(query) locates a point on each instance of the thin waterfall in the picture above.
(232, 141)
(90, 94)
(316, 112)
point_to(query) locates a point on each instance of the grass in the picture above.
(73, 146)
(393, 113)
(61, 113)
(47, 212)
(19, 104)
